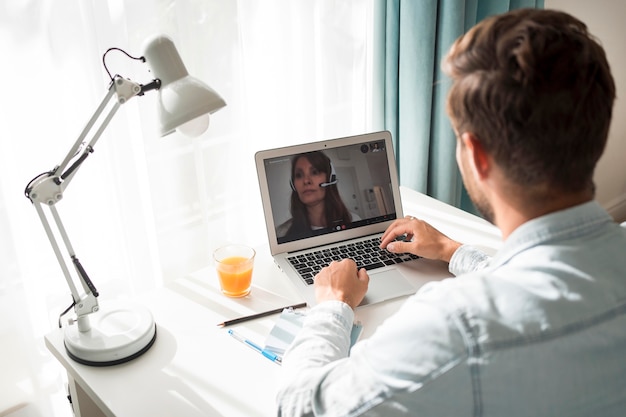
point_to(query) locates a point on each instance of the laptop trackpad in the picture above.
(385, 285)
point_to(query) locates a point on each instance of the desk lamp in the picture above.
(99, 336)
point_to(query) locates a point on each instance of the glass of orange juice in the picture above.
(234, 269)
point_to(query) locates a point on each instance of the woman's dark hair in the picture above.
(335, 211)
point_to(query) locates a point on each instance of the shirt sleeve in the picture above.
(324, 339)
(468, 259)
(320, 376)
(327, 326)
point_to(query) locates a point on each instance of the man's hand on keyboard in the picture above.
(342, 281)
(422, 239)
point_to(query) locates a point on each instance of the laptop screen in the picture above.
(328, 188)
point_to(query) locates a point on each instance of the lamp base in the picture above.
(116, 336)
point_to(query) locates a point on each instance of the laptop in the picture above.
(360, 172)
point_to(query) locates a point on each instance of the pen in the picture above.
(269, 355)
(258, 315)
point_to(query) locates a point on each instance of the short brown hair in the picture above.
(536, 89)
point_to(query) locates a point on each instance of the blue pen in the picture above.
(269, 355)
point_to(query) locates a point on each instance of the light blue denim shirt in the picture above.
(537, 330)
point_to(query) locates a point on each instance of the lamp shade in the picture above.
(184, 102)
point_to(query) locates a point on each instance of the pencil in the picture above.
(258, 315)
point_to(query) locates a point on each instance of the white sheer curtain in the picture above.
(145, 210)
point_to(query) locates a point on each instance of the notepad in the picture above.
(287, 327)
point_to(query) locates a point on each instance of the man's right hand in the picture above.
(342, 282)
(422, 239)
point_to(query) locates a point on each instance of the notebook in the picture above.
(360, 171)
(289, 324)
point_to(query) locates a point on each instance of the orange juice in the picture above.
(235, 274)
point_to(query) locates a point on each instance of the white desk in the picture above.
(195, 368)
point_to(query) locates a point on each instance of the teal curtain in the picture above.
(417, 34)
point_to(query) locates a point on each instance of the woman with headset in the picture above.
(315, 204)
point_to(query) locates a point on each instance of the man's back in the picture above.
(541, 331)
(557, 336)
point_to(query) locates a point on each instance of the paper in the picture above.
(287, 327)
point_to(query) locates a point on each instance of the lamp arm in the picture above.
(87, 302)
(47, 189)
(124, 90)
(74, 150)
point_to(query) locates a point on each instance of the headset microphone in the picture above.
(333, 177)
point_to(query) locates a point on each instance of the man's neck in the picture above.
(512, 212)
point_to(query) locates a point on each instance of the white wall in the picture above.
(605, 19)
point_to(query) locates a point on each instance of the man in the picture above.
(540, 328)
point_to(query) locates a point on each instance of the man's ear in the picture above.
(479, 160)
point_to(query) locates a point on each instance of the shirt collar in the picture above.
(573, 222)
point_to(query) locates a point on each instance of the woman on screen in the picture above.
(315, 202)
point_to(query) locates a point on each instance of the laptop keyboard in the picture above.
(366, 254)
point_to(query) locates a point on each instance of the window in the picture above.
(145, 210)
